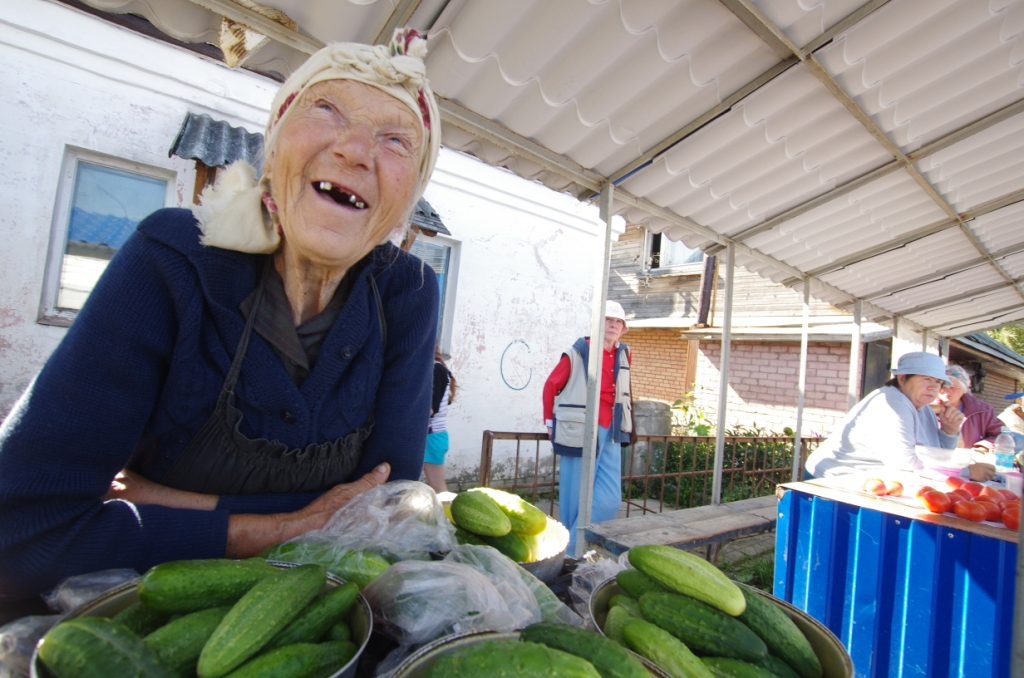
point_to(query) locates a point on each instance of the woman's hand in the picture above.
(250, 534)
(981, 472)
(950, 419)
(130, 486)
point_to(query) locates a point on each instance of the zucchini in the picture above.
(319, 616)
(628, 604)
(614, 623)
(526, 519)
(780, 634)
(723, 667)
(179, 643)
(479, 514)
(511, 546)
(690, 575)
(183, 586)
(140, 619)
(510, 658)
(704, 629)
(301, 660)
(635, 583)
(609, 658)
(97, 647)
(664, 649)
(260, 614)
(339, 631)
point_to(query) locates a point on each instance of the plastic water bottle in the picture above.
(1003, 451)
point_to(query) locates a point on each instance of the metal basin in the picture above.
(419, 663)
(555, 541)
(359, 619)
(835, 660)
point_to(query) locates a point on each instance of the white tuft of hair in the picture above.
(231, 214)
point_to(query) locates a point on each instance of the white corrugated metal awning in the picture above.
(875, 149)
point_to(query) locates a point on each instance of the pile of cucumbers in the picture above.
(213, 618)
(488, 517)
(683, 614)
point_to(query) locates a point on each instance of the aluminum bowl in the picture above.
(359, 619)
(554, 541)
(418, 664)
(835, 660)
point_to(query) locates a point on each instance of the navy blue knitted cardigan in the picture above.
(140, 369)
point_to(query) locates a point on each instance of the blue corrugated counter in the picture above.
(909, 593)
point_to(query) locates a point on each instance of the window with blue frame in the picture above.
(438, 257)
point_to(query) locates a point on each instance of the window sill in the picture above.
(677, 272)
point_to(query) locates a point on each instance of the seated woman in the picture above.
(981, 426)
(882, 430)
(238, 368)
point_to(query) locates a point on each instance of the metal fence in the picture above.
(659, 473)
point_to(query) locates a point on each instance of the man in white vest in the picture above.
(565, 401)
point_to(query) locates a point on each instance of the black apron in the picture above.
(221, 460)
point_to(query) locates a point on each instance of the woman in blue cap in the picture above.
(884, 428)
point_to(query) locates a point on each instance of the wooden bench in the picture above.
(687, 528)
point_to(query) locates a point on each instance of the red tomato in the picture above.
(921, 490)
(1008, 495)
(955, 482)
(974, 488)
(963, 494)
(936, 501)
(970, 510)
(875, 486)
(991, 492)
(1011, 504)
(992, 511)
(1011, 518)
(954, 498)
(893, 488)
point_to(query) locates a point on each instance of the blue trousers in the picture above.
(607, 494)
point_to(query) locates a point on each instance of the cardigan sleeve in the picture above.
(77, 425)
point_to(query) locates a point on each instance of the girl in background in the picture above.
(437, 430)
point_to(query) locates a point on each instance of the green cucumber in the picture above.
(690, 575)
(609, 658)
(723, 667)
(339, 631)
(512, 546)
(183, 586)
(664, 649)
(179, 643)
(301, 660)
(510, 658)
(319, 616)
(628, 604)
(466, 537)
(140, 619)
(778, 666)
(704, 629)
(615, 622)
(97, 647)
(526, 519)
(780, 634)
(635, 583)
(362, 567)
(258, 616)
(479, 514)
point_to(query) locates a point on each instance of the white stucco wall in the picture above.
(525, 255)
(72, 80)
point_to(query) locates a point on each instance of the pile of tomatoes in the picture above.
(973, 501)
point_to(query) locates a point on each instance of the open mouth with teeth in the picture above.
(339, 196)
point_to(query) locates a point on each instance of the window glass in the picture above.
(106, 206)
(665, 253)
(438, 258)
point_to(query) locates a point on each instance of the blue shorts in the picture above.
(437, 447)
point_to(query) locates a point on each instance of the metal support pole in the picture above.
(944, 348)
(924, 340)
(801, 391)
(853, 386)
(588, 462)
(893, 356)
(723, 377)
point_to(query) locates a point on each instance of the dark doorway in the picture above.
(877, 360)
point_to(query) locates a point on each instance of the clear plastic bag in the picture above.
(82, 588)
(415, 602)
(18, 640)
(591, 573)
(504, 574)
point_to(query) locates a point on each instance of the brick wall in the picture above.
(659, 364)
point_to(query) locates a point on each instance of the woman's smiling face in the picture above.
(343, 171)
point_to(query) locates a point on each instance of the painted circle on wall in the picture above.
(516, 371)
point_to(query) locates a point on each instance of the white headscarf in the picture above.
(232, 214)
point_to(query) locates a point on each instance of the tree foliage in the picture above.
(1011, 336)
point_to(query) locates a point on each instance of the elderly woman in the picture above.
(882, 430)
(238, 368)
(981, 426)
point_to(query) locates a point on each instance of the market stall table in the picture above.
(908, 592)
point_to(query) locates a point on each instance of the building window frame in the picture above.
(447, 319)
(49, 312)
(652, 259)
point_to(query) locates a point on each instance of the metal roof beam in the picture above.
(988, 315)
(399, 17)
(960, 297)
(261, 24)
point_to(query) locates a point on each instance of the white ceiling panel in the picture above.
(802, 21)
(1001, 229)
